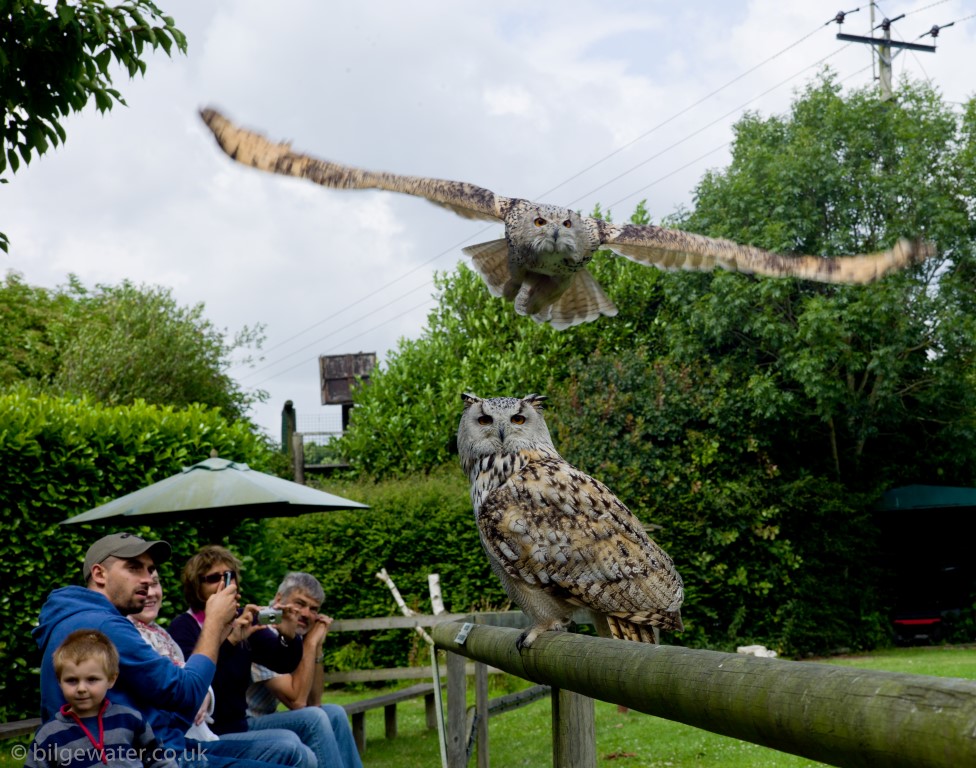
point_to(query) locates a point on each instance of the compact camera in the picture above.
(269, 615)
(228, 578)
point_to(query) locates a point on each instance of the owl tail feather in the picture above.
(641, 627)
(626, 630)
(583, 301)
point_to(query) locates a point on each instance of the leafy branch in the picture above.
(55, 58)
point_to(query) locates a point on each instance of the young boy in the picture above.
(89, 730)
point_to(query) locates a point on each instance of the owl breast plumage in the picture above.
(540, 264)
(557, 538)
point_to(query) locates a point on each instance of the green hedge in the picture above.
(59, 458)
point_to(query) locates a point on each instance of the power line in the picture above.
(659, 179)
(334, 331)
(705, 127)
(676, 115)
(395, 281)
(428, 300)
(711, 151)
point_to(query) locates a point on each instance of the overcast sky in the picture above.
(576, 103)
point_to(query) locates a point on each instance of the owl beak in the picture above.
(501, 434)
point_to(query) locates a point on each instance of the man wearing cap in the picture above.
(118, 571)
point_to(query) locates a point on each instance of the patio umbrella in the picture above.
(216, 490)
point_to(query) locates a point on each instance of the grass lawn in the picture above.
(624, 740)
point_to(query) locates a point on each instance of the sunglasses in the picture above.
(214, 578)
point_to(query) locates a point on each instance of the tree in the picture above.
(404, 420)
(119, 344)
(27, 351)
(869, 383)
(56, 57)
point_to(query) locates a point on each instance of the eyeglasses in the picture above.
(213, 578)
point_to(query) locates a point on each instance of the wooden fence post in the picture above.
(573, 730)
(457, 737)
(298, 457)
(481, 712)
(288, 426)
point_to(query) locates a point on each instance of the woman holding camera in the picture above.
(248, 641)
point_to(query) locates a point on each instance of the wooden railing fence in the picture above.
(837, 715)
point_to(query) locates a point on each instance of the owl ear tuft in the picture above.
(469, 399)
(536, 401)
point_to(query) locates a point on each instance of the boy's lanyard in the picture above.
(100, 744)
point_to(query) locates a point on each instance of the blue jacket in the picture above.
(168, 696)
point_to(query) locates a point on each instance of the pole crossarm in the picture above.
(836, 715)
(885, 42)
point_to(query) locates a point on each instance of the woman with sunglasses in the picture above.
(247, 643)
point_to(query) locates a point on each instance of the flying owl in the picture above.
(557, 538)
(540, 264)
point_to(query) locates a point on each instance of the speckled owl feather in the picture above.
(540, 265)
(557, 538)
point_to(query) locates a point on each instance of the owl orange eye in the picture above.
(484, 420)
(539, 221)
(568, 224)
(518, 418)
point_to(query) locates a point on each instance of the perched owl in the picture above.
(555, 537)
(540, 264)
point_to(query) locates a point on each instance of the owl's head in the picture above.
(501, 425)
(551, 229)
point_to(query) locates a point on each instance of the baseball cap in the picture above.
(124, 545)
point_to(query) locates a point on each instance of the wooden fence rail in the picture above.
(836, 715)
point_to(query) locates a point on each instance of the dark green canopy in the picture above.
(215, 489)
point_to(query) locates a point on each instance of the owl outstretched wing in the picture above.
(543, 281)
(558, 529)
(250, 148)
(674, 249)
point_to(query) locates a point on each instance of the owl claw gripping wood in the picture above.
(556, 538)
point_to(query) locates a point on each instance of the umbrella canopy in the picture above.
(224, 489)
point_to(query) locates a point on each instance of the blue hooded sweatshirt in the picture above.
(168, 696)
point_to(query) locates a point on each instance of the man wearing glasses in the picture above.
(324, 728)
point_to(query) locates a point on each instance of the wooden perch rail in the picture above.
(837, 715)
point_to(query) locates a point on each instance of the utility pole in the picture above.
(884, 44)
